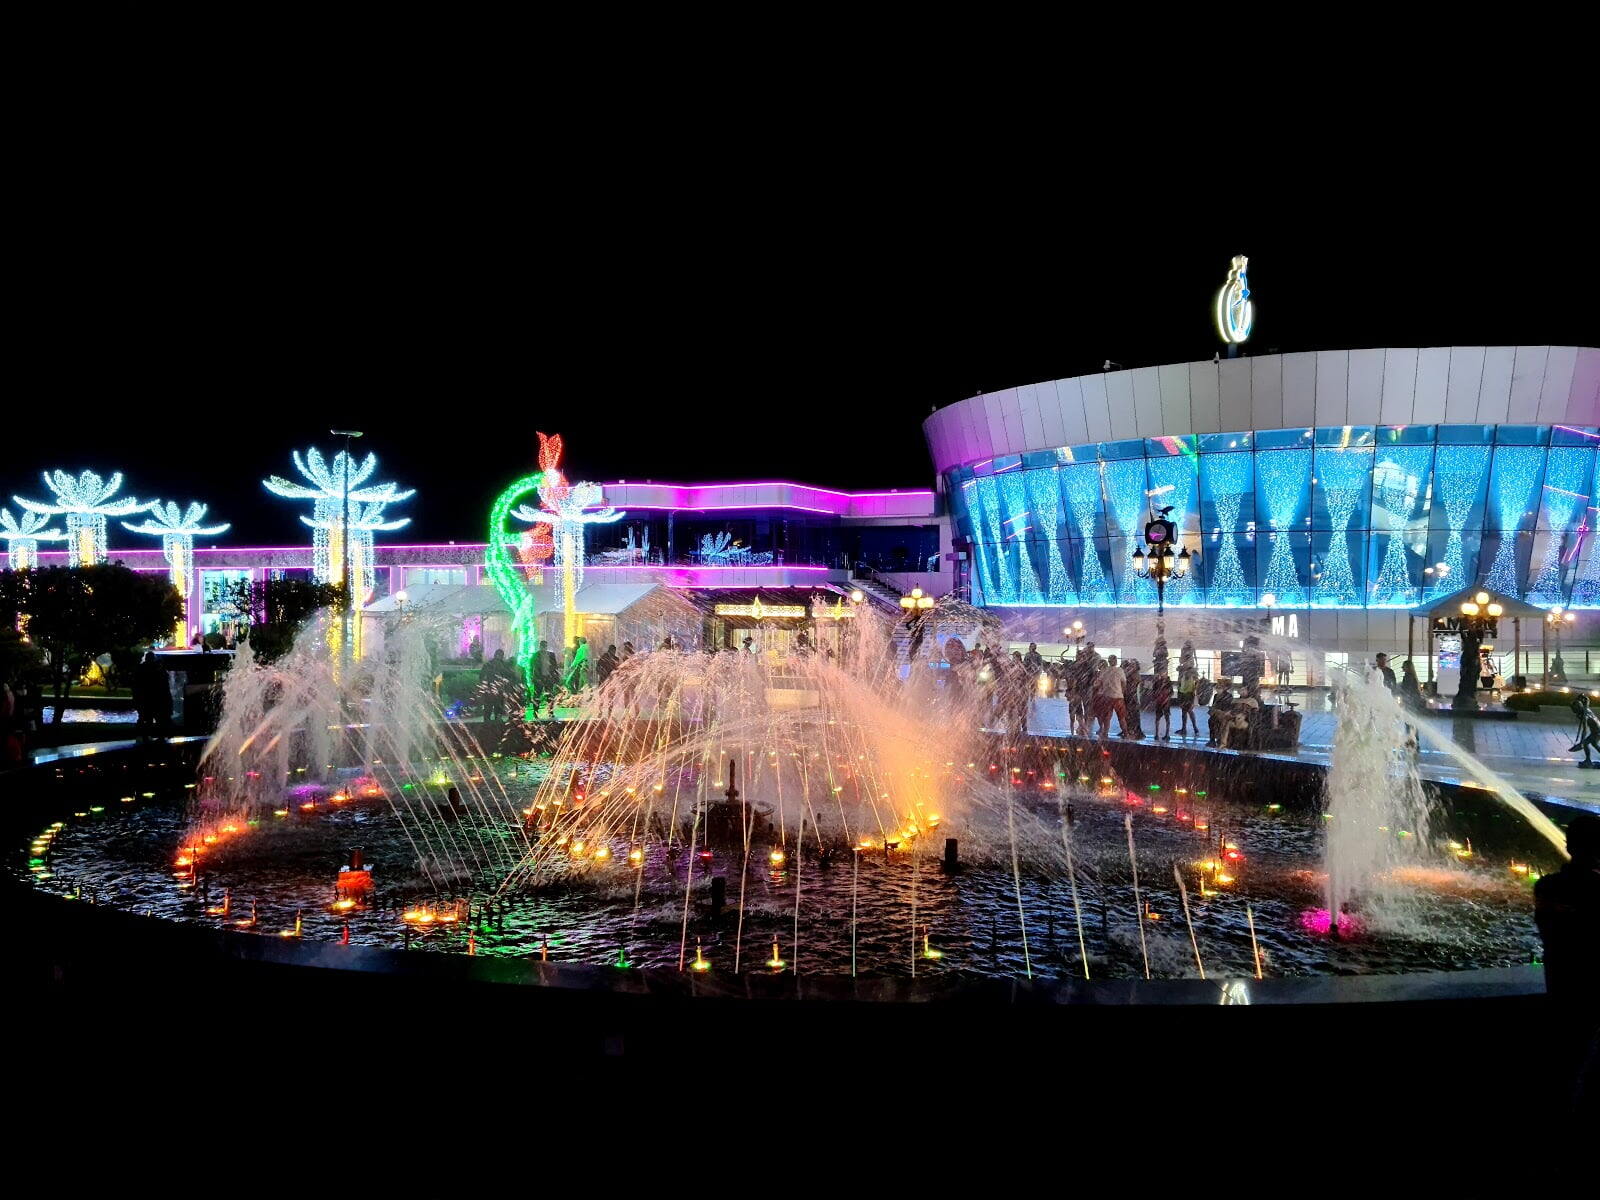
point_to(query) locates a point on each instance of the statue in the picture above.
(1588, 732)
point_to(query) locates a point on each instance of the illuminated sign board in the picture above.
(760, 611)
(1235, 311)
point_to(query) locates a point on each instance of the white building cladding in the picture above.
(1329, 479)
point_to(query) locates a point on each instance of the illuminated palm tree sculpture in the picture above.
(85, 500)
(23, 538)
(567, 511)
(177, 529)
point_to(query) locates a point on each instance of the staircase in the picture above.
(879, 592)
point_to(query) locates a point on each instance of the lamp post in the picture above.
(1160, 564)
(344, 536)
(1558, 619)
(917, 607)
(1480, 616)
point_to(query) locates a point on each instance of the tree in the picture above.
(277, 608)
(76, 614)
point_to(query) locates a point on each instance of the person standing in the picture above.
(546, 674)
(1188, 685)
(1130, 699)
(1410, 689)
(607, 664)
(1085, 674)
(1566, 908)
(1033, 660)
(1381, 663)
(1108, 698)
(1251, 664)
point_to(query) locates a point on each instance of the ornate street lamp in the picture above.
(1558, 619)
(1480, 618)
(1160, 564)
(917, 606)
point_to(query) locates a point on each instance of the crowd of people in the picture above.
(1105, 692)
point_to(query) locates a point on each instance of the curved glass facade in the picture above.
(1355, 516)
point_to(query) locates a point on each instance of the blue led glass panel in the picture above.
(1399, 524)
(1126, 513)
(1046, 535)
(1345, 518)
(1226, 484)
(1173, 480)
(1344, 478)
(1081, 484)
(1283, 491)
(1568, 472)
(1458, 478)
(1513, 504)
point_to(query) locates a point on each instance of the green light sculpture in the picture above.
(507, 579)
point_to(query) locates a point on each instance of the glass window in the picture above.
(1522, 435)
(1405, 435)
(1131, 448)
(443, 576)
(1575, 435)
(1344, 436)
(1282, 439)
(1221, 442)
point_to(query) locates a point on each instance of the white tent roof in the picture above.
(597, 599)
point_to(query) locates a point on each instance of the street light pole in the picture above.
(1479, 616)
(344, 538)
(1558, 619)
(1160, 564)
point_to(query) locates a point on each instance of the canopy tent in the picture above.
(612, 613)
(1448, 607)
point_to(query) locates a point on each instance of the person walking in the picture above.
(607, 664)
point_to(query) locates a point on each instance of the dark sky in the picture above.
(189, 311)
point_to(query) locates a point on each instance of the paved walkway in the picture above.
(1530, 755)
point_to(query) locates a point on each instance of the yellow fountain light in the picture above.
(777, 858)
(636, 857)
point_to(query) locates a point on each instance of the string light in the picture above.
(1343, 473)
(1002, 588)
(1044, 495)
(1013, 493)
(1283, 476)
(1174, 478)
(331, 484)
(1083, 497)
(177, 529)
(23, 538)
(85, 500)
(1566, 475)
(1227, 478)
(1516, 477)
(569, 508)
(1458, 477)
(508, 582)
(1125, 504)
(1397, 492)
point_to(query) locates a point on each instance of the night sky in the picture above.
(766, 324)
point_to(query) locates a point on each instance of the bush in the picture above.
(1549, 698)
